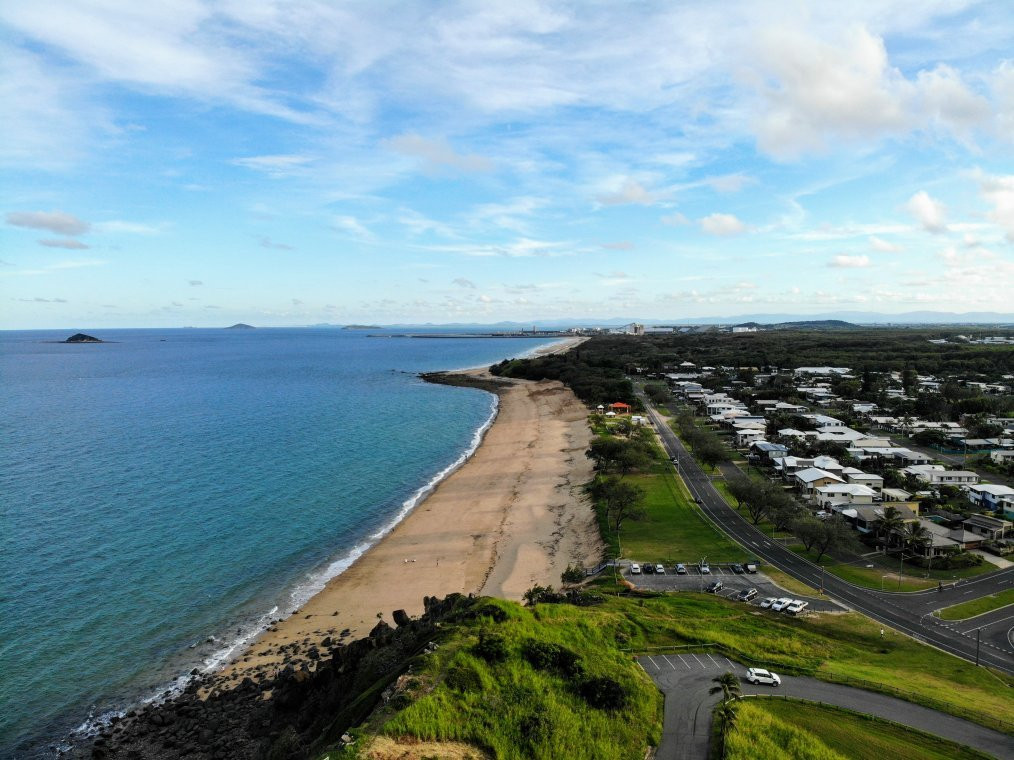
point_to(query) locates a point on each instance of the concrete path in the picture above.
(685, 679)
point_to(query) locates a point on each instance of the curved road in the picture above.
(686, 679)
(905, 612)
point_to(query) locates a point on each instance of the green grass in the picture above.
(977, 606)
(844, 648)
(511, 709)
(674, 529)
(914, 579)
(781, 728)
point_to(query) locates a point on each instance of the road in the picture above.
(685, 679)
(905, 612)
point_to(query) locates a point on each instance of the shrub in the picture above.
(543, 655)
(573, 574)
(603, 693)
(491, 648)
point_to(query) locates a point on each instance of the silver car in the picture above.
(759, 675)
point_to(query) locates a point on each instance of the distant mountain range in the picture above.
(831, 320)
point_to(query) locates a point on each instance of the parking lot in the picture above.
(732, 584)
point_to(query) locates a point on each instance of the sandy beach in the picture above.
(512, 516)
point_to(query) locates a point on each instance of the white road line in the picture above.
(653, 664)
(670, 663)
(685, 662)
(730, 662)
(714, 660)
(698, 661)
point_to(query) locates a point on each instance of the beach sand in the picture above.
(512, 516)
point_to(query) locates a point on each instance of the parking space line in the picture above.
(730, 662)
(698, 661)
(642, 666)
(714, 661)
(653, 663)
(684, 662)
(669, 661)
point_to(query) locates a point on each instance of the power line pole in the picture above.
(978, 635)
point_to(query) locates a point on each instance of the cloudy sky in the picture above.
(196, 162)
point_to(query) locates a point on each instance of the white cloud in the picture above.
(70, 244)
(929, 212)
(884, 246)
(118, 226)
(999, 192)
(281, 165)
(844, 261)
(59, 222)
(620, 245)
(351, 224)
(195, 283)
(461, 282)
(675, 219)
(436, 154)
(631, 192)
(949, 101)
(722, 225)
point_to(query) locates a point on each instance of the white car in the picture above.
(659, 569)
(797, 606)
(759, 675)
(780, 604)
(767, 601)
(705, 569)
(635, 569)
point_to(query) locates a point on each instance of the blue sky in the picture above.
(285, 163)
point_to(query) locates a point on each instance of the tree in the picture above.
(783, 510)
(834, 533)
(916, 537)
(604, 451)
(728, 684)
(807, 530)
(889, 523)
(622, 501)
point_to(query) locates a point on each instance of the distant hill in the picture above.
(816, 324)
(362, 327)
(241, 326)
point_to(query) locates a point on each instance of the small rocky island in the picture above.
(82, 338)
(241, 326)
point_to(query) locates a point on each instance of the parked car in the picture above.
(705, 568)
(767, 601)
(737, 569)
(659, 569)
(635, 569)
(797, 606)
(781, 604)
(747, 594)
(759, 675)
(715, 586)
(750, 567)
(648, 569)
(681, 569)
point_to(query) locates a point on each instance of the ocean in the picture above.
(165, 494)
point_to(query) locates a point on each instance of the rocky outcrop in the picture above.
(82, 338)
(294, 714)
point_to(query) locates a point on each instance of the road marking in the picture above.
(687, 664)
(653, 664)
(670, 664)
(698, 661)
(714, 661)
(730, 662)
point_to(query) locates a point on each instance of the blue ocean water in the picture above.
(162, 495)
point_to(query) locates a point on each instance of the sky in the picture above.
(199, 162)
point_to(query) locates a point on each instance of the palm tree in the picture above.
(728, 684)
(889, 523)
(916, 537)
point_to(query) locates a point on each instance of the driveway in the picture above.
(685, 679)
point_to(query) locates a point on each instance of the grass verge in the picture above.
(673, 529)
(787, 728)
(977, 606)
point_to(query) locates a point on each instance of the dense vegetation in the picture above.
(595, 378)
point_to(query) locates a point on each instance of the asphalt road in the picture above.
(905, 612)
(685, 679)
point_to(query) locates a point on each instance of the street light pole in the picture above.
(978, 634)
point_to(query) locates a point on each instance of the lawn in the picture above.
(977, 606)
(884, 573)
(787, 728)
(674, 529)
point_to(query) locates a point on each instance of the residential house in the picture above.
(991, 527)
(868, 479)
(808, 480)
(936, 475)
(769, 451)
(842, 493)
(1002, 456)
(989, 496)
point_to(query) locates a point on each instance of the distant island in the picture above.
(241, 326)
(82, 338)
(361, 327)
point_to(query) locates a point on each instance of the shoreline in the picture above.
(506, 515)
